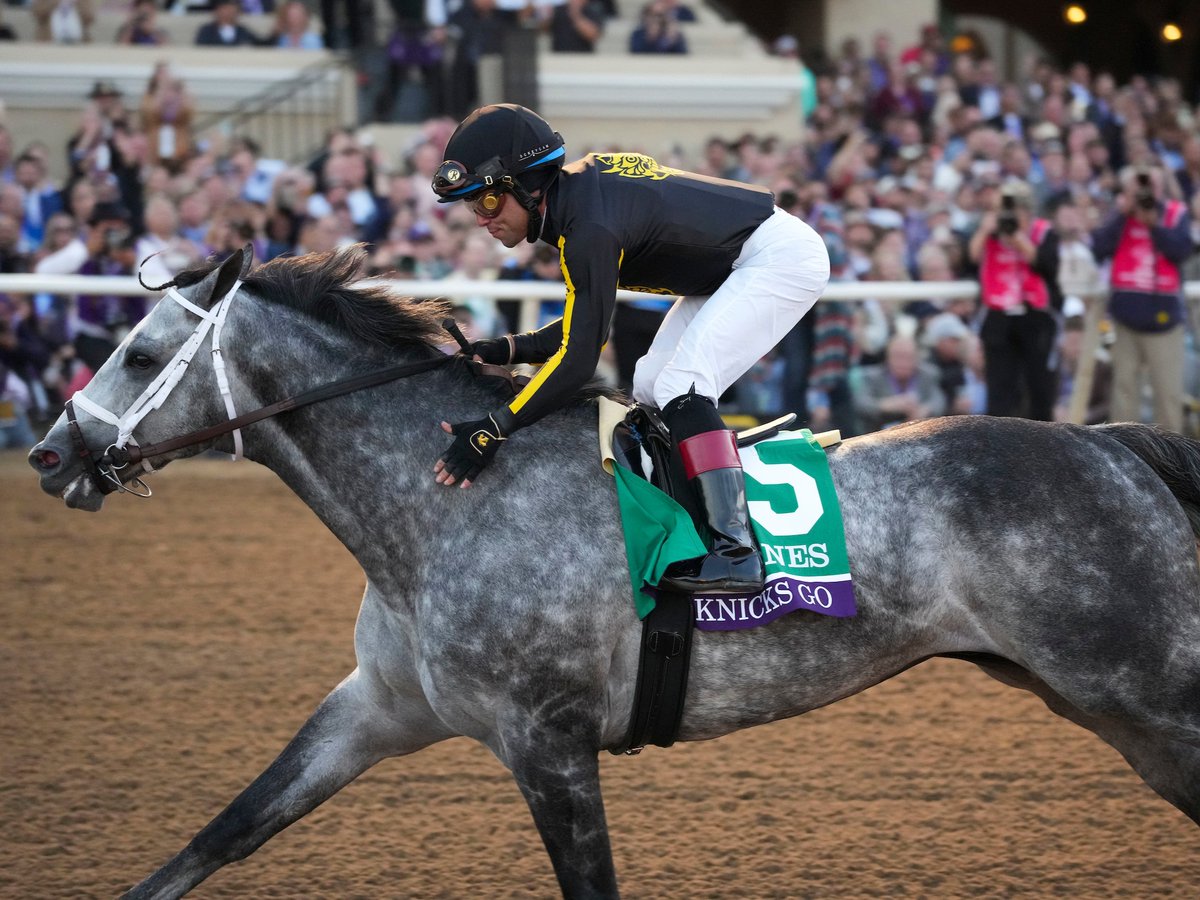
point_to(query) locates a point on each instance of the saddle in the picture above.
(641, 444)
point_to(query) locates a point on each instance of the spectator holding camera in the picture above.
(1148, 238)
(1019, 329)
(658, 32)
(100, 321)
(141, 29)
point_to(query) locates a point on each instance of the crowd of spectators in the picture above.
(429, 50)
(432, 47)
(907, 151)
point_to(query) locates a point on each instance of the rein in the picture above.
(125, 450)
(134, 453)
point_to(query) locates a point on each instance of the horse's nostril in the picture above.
(46, 459)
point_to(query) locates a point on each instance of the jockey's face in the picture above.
(509, 226)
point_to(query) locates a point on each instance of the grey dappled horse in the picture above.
(1060, 559)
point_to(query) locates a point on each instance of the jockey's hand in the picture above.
(475, 443)
(496, 351)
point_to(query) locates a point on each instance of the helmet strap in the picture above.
(530, 203)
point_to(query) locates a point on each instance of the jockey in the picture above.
(745, 272)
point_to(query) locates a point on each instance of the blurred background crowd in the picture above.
(918, 164)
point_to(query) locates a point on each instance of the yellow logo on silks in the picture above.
(635, 165)
(648, 290)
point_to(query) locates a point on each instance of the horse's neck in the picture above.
(364, 461)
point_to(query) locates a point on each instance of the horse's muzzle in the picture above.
(61, 475)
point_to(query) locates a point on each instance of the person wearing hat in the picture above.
(1019, 291)
(745, 273)
(104, 89)
(103, 113)
(224, 30)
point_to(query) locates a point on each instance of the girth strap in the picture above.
(662, 674)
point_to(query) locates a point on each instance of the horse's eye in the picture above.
(139, 361)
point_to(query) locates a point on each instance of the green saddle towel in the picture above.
(794, 509)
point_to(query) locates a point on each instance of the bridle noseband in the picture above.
(104, 470)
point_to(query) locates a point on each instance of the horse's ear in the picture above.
(229, 272)
(247, 261)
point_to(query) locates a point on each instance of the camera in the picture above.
(116, 238)
(1006, 222)
(1144, 197)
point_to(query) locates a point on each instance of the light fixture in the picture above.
(1171, 32)
(1075, 14)
(962, 43)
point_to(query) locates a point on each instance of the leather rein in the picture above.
(135, 453)
(104, 470)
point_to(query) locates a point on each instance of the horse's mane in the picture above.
(321, 285)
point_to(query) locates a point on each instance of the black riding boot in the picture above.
(714, 471)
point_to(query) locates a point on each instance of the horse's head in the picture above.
(83, 456)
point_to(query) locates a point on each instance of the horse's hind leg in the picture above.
(1162, 746)
(559, 775)
(344, 737)
(1170, 766)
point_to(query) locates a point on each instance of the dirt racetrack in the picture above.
(156, 657)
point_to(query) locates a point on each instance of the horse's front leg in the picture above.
(559, 775)
(346, 735)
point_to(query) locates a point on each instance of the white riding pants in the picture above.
(712, 341)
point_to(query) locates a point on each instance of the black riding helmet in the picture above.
(503, 148)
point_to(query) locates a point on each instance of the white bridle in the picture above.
(172, 373)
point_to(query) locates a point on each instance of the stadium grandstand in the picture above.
(179, 132)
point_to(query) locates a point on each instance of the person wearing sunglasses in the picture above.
(745, 272)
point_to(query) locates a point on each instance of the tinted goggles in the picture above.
(488, 204)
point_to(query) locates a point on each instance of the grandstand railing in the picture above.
(531, 293)
(290, 119)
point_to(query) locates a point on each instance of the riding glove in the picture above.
(496, 351)
(475, 443)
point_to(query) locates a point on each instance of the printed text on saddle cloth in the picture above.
(798, 523)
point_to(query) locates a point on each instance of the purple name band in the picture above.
(782, 595)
